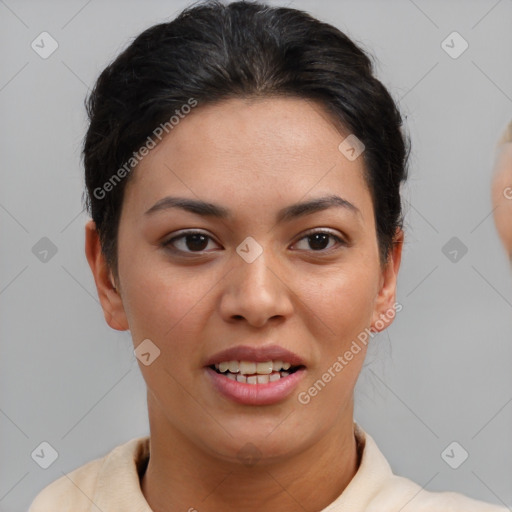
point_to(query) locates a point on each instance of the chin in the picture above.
(263, 440)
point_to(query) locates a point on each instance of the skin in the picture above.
(254, 157)
(502, 193)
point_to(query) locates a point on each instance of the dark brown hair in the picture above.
(213, 51)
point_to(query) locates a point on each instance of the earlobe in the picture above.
(109, 296)
(385, 305)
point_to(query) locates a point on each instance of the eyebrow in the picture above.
(286, 214)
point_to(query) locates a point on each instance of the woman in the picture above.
(243, 170)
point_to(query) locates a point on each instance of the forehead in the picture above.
(250, 146)
(257, 126)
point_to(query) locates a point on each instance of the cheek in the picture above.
(163, 305)
(169, 310)
(342, 300)
(343, 309)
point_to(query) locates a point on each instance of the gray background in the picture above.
(440, 373)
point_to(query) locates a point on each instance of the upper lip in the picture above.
(256, 354)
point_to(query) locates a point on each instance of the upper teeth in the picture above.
(251, 367)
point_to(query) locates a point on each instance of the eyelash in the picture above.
(168, 244)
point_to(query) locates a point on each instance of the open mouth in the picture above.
(251, 372)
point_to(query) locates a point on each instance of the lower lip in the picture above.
(256, 394)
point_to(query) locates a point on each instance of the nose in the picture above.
(255, 292)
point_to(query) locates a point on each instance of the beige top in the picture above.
(112, 484)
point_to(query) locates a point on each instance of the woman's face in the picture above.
(252, 282)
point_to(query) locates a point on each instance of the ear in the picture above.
(385, 308)
(110, 298)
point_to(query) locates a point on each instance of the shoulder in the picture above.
(80, 489)
(400, 493)
(376, 488)
(71, 491)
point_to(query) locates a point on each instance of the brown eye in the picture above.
(189, 242)
(319, 241)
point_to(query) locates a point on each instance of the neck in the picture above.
(181, 476)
